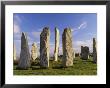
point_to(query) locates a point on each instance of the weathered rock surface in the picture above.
(44, 47)
(34, 53)
(84, 52)
(56, 44)
(14, 53)
(67, 48)
(94, 51)
(25, 60)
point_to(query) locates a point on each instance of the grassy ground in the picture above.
(80, 67)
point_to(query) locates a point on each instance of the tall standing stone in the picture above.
(81, 51)
(84, 52)
(94, 51)
(56, 43)
(44, 47)
(67, 48)
(14, 53)
(25, 60)
(34, 53)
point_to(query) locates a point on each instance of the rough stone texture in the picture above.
(84, 52)
(25, 60)
(94, 51)
(34, 54)
(81, 51)
(56, 44)
(67, 48)
(14, 53)
(44, 47)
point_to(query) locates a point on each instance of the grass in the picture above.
(80, 67)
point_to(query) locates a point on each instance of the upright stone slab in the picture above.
(81, 52)
(56, 44)
(25, 59)
(94, 51)
(84, 52)
(88, 56)
(44, 47)
(34, 53)
(14, 54)
(67, 48)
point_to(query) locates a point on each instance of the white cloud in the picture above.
(77, 45)
(36, 34)
(16, 28)
(17, 19)
(92, 34)
(83, 25)
(72, 30)
(16, 24)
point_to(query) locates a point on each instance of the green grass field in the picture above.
(80, 67)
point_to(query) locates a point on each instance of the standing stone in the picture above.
(67, 48)
(94, 51)
(14, 54)
(44, 47)
(88, 56)
(56, 44)
(25, 60)
(81, 51)
(84, 52)
(34, 51)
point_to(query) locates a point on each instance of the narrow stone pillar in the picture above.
(84, 52)
(56, 44)
(44, 47)
(34, 53)
(94, 51)
(73, 54)
(14, 53)
(67, 48)
(81, 52)
(25, 60)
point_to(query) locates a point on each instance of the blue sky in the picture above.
(83, 26)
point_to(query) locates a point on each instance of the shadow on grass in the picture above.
(18, 68)
(61, 67)
(57, 67)
(88, 61)
(38, 68)
(75, 63)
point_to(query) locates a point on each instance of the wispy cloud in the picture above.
(92, 34)
(17, 28)
(17, 19)
(16, 24)
(83, 25)
(17, 34)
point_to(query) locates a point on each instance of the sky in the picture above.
(83, 27)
